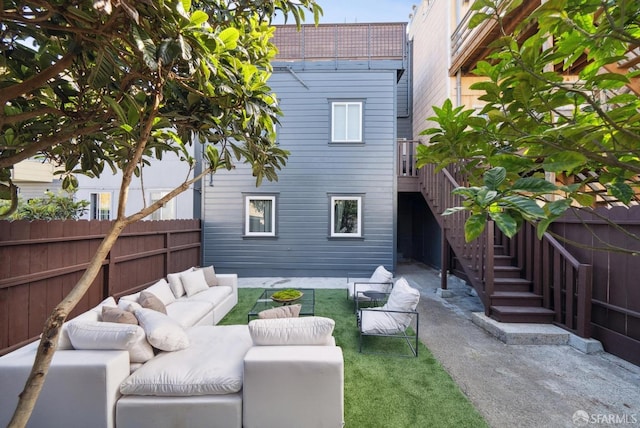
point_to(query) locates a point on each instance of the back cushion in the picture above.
(381, 275)
(403, 297)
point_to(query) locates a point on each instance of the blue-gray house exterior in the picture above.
(307, 85)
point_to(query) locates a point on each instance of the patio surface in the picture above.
(512, 385)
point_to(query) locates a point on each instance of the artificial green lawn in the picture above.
(383, 390)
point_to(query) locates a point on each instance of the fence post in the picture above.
(585, 288)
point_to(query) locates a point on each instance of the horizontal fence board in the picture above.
(42, 261)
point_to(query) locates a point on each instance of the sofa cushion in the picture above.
(162, 332)
(210, 275)
(162, 291)
(287, 311)
(213, 295)
(175, 283)
(151, 301)
(213, 364)
(128, 305)
(93, 314)
(118, 315)
(381, 275)
(194, 282)
(403, 297)
(188, 313)
(109, 336)
(292, 331)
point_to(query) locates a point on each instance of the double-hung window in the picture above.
(346, 216)
(346, 121)
(260, 215)
(167, 211)
(101, 206)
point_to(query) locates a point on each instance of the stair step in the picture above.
(502, 260)
(522, 314)
(516, 298)
(506, 272)
(499, 250)
(511, 284)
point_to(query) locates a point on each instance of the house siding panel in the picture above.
(316, 169)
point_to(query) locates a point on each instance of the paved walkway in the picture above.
(511, 385)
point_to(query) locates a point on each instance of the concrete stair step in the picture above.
(522, 314)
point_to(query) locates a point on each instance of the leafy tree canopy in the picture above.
(86, 84)
(49, 207)
(555, 103)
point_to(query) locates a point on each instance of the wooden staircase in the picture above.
(512, 299)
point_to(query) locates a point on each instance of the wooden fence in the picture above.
(41, 261)
(615, 301)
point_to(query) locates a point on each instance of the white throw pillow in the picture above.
(292, 331)
(93, 314)
(194, 282)
(162, 332)
(381, 275)
(175, 283)
(128, 305)
(403, 297)
(162, 291)
(109, 336)
(210, 275)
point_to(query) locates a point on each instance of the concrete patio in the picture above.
(515, 374)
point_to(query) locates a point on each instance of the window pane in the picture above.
(260, 216)
(100, 206)
(167, 211)
(345, 213)
(339, 122)
(353, 127)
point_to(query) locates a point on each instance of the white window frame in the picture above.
(167, 207)
(247, 214)
(346, 138)
(96, 208)
(358, 232)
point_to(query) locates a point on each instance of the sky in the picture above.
(363, 11)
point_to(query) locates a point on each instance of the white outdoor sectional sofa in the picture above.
(181, 369)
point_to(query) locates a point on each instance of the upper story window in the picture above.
(346, 121)
(260, 215)
(166, 211)
(101, 206)
(346, 216)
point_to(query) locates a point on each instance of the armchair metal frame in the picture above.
(410, 339)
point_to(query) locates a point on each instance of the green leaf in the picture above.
(486, 197)
(558, 207)
(565, 161)
(534, 185)
(622, 191)
(507, 224)
(527, 207)
(229, 37)
(494, 177)
(198, 17)
(453, 210)
(474, 226)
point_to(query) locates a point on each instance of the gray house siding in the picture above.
(316, 169)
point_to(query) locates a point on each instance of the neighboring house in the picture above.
(344, 90)
(592, 294)
(34, 178)
(158, 178)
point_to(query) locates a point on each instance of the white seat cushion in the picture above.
(188, 313)
(111, 336)
(213, 295)
(213, 364)
(403, 297)
(292, 331)
(162, 332)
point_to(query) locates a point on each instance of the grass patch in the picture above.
(380, 390)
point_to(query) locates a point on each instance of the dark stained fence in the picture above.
(615, 310)
(41, 261)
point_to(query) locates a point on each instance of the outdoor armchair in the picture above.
(397, 319)
(381, 281)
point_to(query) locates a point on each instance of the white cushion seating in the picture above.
(194, 282)
(213, 364)
(403, 297)
(94, 314)
(379, 281)
(213, 295)
(163, 292)
(292, 331)
(175, 283)
(92, 335)
(189, 313)
(162, 332)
